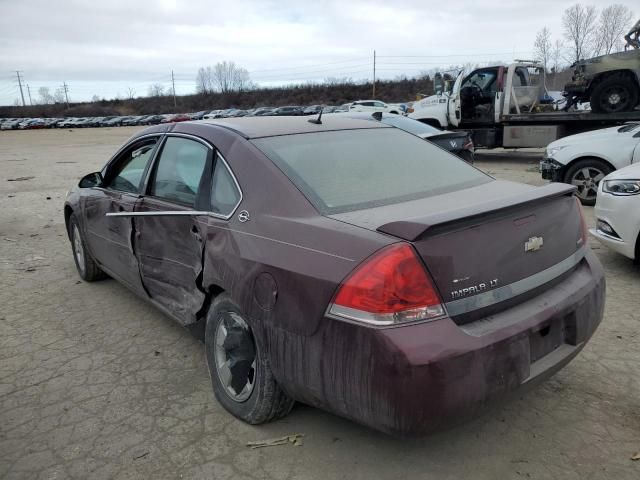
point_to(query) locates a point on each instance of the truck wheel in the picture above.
(586, 175)
(238, 366)
(614, 94)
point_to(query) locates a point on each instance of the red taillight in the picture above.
(390, 287)
(584, 231)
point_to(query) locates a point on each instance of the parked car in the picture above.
(584, 159)
(114, 122)
(459, 143)
(375, 277)
(617, 211)
(263, 111)
(373, 106)
(152, 120)
(10, 124)
(312, 110)
(212, 114)
(132, 121)
(288, 110)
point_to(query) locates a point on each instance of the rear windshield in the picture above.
(347, 170)
(409, 125)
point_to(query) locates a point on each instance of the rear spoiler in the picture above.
(412, 228)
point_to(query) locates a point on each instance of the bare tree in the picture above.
(556, 55)
(543, 48)
(95, 99)
(614, 23)
(579, 25)
(59, 96)
(131, 93)
(156, 90)
(45, 95)
(204, 80)
(229, 77)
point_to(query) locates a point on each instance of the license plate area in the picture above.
(548, 337)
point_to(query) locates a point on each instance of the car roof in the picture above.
(256, 127)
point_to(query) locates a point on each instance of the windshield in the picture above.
(409, 125)
(347, 170)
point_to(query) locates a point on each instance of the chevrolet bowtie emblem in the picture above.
(533, 244)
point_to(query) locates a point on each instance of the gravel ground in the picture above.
(95, 383)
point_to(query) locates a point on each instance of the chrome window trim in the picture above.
(506, 292)
(235, 181)
(194, 212)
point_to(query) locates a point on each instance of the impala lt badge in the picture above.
(533, 244)
(473, 289)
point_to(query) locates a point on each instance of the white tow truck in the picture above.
(506, 106)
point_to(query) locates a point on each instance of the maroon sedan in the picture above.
(345, 264)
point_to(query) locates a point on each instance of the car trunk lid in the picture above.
(487, 244)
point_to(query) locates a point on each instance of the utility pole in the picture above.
(173, 82)
(20, 85)
(374, 74)
(29, 91)
(66, 92)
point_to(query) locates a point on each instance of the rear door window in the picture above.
(178, 171)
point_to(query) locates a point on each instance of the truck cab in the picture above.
(481, 99)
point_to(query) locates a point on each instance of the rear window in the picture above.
(347, 170)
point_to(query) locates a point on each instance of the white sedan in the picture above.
(584, 159)
(374, 106)
(617, 211)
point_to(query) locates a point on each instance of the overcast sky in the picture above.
(106, 47)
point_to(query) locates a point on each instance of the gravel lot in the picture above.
(95, 383)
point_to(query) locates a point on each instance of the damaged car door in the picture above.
(111, 239)
(171, 223)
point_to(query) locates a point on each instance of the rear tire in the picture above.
(614, 94)
(586, 175)
(239, 368)
(87, 268)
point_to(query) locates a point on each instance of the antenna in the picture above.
(318, 120)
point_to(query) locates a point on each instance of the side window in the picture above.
(379, 104)
(225, 194)
(131, 166)
(178, 170)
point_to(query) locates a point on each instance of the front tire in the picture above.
(586, 175)
(614, 94)
(240, 374)
(87, 268)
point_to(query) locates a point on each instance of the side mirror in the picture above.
(92, 180)
(438, 84)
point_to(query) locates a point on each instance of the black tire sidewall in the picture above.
(73, 222)
(254, 409)
(598, 91)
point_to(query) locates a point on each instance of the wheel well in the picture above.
(394, 111)
(198, 327)
(579, 159)
(612, 73)
(637, 251)
(67, 214)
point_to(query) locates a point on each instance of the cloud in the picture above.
(101, 46)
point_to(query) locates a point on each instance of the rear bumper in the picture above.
(418, 378)
(551, 169)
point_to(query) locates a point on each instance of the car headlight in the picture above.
(551, 151)
(621, 187)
